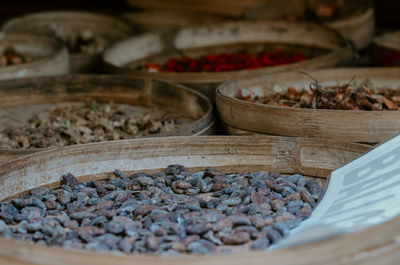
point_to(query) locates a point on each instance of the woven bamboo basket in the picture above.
(324, 45)
(47, 55)
(312, 157)
(73, 23)
(243, 117)
(21, 99)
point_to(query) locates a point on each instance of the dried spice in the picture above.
(9, 56)
(77, 124)
(84, 41)
(350, 96)
(142, 213)
(227, 62)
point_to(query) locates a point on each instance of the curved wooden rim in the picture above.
(359, 30)
(209, 130)
(389, 40)
(348, 249)
(59, 51)
(237, 131)
(362, 18)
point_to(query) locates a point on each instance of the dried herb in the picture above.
(227, 62)
(350, 96)
(169, 213)
(91, 122)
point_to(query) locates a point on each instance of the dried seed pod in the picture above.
(276, 204)
(261, 243)
(257, 221)
(306, 197)
(236, 238)
(304, 212)
(70, 180)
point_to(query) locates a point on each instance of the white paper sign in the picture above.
(361, 194)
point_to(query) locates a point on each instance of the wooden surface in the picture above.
(312, 157)
(49, 57)
(21, 99)
(354, 126)
(111, 28)
(126, 56)
(357, 28)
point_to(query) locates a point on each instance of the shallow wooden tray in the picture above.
(108, 27)
(354, 126)
(21, 99)
(311, 157)
(127, 56)
(49, 57)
